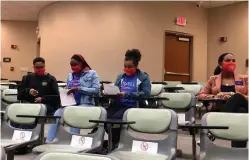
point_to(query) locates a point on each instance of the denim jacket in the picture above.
(89, 86)
(143, 84)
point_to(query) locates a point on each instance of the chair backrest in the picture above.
(190, 88)
(22, 109)
(156, 89)
(72, 156)
(7, 83)
(181, 102)
(238, 131)
(145, 120)
(10, 96)
(3, 155)
(202, 83)
(62, 85)
(173, 83)
(78, 117)
(4, 86)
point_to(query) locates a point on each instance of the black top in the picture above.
(224, 88)
(45, 85)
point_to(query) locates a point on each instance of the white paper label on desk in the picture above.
(181, 118)
(81, 142)
(22, 135)
(66, 99)
(149, 147)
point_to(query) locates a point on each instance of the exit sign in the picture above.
(181, 21)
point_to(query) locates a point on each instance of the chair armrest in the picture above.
(24, 144)
(172, 153)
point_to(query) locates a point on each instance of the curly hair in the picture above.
(133, 55)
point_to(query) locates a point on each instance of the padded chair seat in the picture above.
(56, 148)
(126, 155)
(224, 157)
(8, 142)
(72, 156)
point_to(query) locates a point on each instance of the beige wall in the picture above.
(23, 35)
(232, 22)
(103, 31)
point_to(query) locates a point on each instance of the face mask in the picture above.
(40, 72)
(130, 71)
(76, 68)
(229, 66)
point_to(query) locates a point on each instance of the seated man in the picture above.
(40, 87)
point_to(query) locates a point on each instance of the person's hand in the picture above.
(33, 92)
(122, 94)
(226, 97)
(72, 90)
(38, 100)
(223, 95)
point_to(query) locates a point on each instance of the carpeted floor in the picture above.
(184, 144)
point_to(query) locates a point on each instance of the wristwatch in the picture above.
(232, 93)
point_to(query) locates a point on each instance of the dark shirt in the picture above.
(224, 88)
(45, 85)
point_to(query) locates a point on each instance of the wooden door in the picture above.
(177, 58)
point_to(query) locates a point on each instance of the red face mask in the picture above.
(76, 68)
(130, 71)
(40, 72)
(229, 66)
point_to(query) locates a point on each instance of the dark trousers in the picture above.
(116, 111)
(237, 104)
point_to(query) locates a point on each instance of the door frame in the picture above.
(186, 35)
(38, 47)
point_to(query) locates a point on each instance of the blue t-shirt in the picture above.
(75, 83)
(129, 84)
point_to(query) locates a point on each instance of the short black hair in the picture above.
(221, 57)
(133, 54)
(38, 59)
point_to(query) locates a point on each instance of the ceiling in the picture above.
(22, 10)
(213, 3)
(29, 10)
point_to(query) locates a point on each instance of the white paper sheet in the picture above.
(22, 135)
(66, 100)
(81, 142)
(110, 89)
(140, 146)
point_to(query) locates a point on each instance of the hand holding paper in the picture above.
(66, 99)
(110, 89)
(72, 90)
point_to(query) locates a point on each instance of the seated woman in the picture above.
(229, 86)
(133, 83)
(83, 83)
(218, 69)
